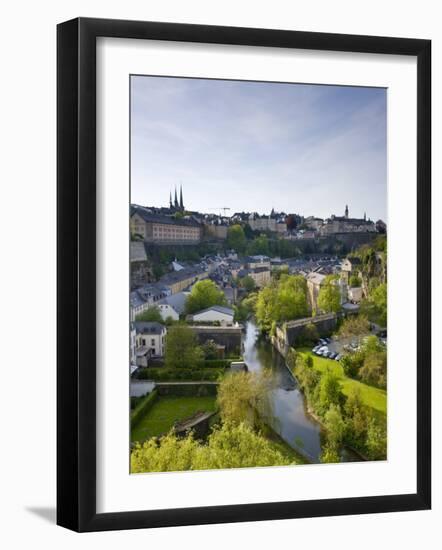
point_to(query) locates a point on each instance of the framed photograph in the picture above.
(243, 274)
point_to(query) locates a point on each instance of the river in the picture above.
(290, 418)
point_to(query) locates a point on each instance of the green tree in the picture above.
(259, 245)
(204, 294)
(247, 283)
(236, 238)
(379, 299)
(377, 439)
(329, 392)
(329, 298)
(182, 350)
(151, 314)
(355, 281)
(334, 425)
(358, 417)
(210, 350)
(351, 363)
(330, 454)
(354, 326)
(243, 397)
(266, 307)
(229, 446)
(374, 369)
(246, 307)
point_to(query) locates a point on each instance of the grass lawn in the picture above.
(373, 397)
(168, 410)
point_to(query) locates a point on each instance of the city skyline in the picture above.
(304, 149)
(222, 211)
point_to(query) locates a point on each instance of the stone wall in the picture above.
(288, 335)
(230, 337)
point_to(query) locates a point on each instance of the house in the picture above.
(253, 262)
(261, 276)
(355, 294)
(314, 282)
(133, 344)
(350, 266)
(177, 281)
(145, 297)
(150, 340)
(214, 314)
(167, 311)
(230, 294)
(161, 229)
(173, 305)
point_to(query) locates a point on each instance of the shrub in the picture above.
(142, 408)
(351, 363)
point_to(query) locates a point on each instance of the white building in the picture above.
(168, 311)
(355, 294)
(221, 314)
(133, 344)
(152, 336)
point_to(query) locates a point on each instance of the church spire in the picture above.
(170, 199)
(365, 216)
(346, 210)
(176, 199)
(181, 198)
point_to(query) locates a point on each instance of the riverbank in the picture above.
(373, 397)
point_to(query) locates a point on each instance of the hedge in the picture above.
(142, 408)
(219, 363)
(164, 375)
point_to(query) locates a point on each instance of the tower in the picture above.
(176, 199)
(346, 210)
(181, 198)
(365, 216)
(170, 199)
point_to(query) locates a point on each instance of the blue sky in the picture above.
(251, 146)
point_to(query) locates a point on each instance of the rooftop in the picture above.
(149, 327)
(219, 309)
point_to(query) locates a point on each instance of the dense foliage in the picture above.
(329, 298)
(283, 300)
(228, 446)
(236, 238)
(243, 397)
(151, 314)
(204, 294)
(346, 419)
(182, 349)
(368, 363)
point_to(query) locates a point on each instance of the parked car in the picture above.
(338, 357)
(332, 355)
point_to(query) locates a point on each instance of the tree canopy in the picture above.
(229, 446)
(204, 294)
(182, 350)
(243, 397)
(236, 238)
(329, 298)
(151, 314)
(284, 300)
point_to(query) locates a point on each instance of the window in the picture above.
(152, 342)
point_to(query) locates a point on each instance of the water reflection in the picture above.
(290, 419)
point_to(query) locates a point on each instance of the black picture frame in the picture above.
(76, 273)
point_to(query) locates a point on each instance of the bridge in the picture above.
(198, 423)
